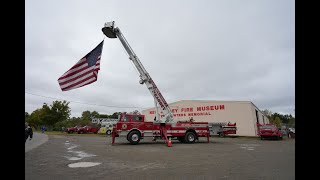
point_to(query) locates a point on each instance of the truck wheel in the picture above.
(221, 134)
(261, 137)
(190, 137)
(134, 137)
(108, 132)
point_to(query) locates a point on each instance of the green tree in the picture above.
(50, 115)
(276, 121)
(86, 115)
(135, 112)
(103, 116)
(26, 116)
(60, 110)
(94, 114)
(292, 122)
(57, 112)
(35, 117)
(74, 119)
(115, 115)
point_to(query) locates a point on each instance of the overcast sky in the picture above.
(194, 50)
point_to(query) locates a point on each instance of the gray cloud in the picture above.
(213, 50)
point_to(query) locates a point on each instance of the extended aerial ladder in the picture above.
(113, 32)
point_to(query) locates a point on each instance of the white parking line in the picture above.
(83, 164)
(249, 147)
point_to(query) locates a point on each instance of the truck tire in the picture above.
(190, 137)
(108, 132)
(134, 137)
(221, 134)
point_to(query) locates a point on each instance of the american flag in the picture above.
(84, 72)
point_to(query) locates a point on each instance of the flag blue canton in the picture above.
(94, 55)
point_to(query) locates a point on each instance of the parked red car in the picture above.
(269, 131)
(72, 129)
(88, 129)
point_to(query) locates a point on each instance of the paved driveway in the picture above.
(37, 140)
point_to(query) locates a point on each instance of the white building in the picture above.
(244, 113)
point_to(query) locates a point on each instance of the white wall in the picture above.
(214, 111)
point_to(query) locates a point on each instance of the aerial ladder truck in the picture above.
(134, 127)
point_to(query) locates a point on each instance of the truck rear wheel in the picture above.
(134, 137)
(190, 137)
(221, 134)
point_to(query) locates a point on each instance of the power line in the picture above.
(82, 102)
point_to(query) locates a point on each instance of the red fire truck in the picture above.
(134, 127)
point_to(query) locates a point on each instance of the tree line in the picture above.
(280, 119)
(57, 115)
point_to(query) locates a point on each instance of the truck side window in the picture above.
(137, 118)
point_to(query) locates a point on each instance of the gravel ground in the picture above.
(92, 157)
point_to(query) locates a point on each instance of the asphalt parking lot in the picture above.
(93, 157)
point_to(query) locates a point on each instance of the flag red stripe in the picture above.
(76, 72)
(75, 78)
(76, 81)
(84, 60)
(79, 82)
(74, 87)
(89, 82)
(75, 75)
(75, 66)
